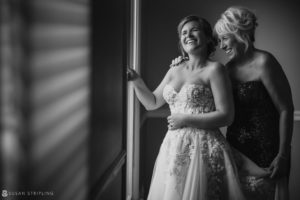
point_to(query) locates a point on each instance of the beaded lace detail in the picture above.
(255, 130)
(192, 99)
(182, 144)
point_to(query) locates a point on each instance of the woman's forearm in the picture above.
(145, 96)
(286, 122)
(212, 120)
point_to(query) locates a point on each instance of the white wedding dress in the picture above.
(194, 164)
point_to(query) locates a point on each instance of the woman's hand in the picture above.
(176, 121)
(132, 74)
(279, 166)
(178, 60)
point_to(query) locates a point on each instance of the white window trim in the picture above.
(133, 111)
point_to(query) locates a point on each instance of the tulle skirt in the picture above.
(195, 164)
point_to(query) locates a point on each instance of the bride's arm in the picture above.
(224, 113)
(150, 100)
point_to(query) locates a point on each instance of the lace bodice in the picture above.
(191, 99)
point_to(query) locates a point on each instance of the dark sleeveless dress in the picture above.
(255, 130)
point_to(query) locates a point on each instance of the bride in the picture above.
(195, 162)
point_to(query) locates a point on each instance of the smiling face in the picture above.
(231, 45)
(192, 38)
(235, 30)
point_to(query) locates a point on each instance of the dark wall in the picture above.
(107, 139)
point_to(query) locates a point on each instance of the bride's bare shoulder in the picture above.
(178, 68)
(215, 66)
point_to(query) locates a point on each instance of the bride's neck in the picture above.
(195, 62)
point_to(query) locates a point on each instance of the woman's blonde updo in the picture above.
(239, 21)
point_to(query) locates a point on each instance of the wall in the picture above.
(277, 33)
(107, 150)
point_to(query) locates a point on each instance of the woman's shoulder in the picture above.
(216, 70)
(175, 70)
(263, 57)
(177, 67)
(266, 62)
(215, 66)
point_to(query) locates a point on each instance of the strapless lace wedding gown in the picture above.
(194, 164)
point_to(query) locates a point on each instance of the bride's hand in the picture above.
(176, 121)
(178, 60)
(132, 74)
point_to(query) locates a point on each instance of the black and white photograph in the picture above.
(149, 100)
